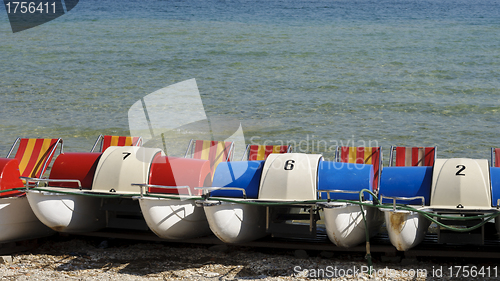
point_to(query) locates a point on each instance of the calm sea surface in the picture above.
(318, 73)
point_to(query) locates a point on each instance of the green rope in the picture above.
(13, 189)
(172, 197)
(87, 193)
(399, 207)
(428, 214)
(368, 255)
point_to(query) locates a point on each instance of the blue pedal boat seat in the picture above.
(406, 182)
(244, 175)
(346, 177)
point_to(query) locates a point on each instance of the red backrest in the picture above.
(75, 166)
(415, 156)
(174, 171)
(496, 152)
(9, 177)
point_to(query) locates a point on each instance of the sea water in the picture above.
(314, 73)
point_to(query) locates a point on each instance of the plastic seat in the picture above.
(412, 156)
(33, 157)
(362, 155)
(261, 152)
(411, 182)
(213, 151)
(107, 141)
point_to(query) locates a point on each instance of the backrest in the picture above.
(260, 152)
(495, 157)
(107, 141)
(362, 155)
(9, 177)
(213, 151)
(34, 155)
(412, 156)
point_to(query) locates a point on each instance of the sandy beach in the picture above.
(77, 258)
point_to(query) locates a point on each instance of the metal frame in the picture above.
(37, 180)
(313, 211)
(401, 198)
(247, 150)
(142, 185)
(493, 157)
(189, 151)
(393, 148)
(391, 155)
(99, 138)
(328, 191)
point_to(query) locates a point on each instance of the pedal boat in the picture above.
(344, 222)
(80, 183)
(235, 222)
(456, 187)
(238, 206)
(17, 220)
(168, 200)
(251, 199)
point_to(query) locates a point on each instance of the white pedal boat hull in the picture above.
(406, 229)
(67, 212)
(345, 226)
(236, 223)
(18, 222)
(174, 219)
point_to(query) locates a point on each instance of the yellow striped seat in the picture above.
(213, 151)
(261, 152)
(34, 155)
(107, 141)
